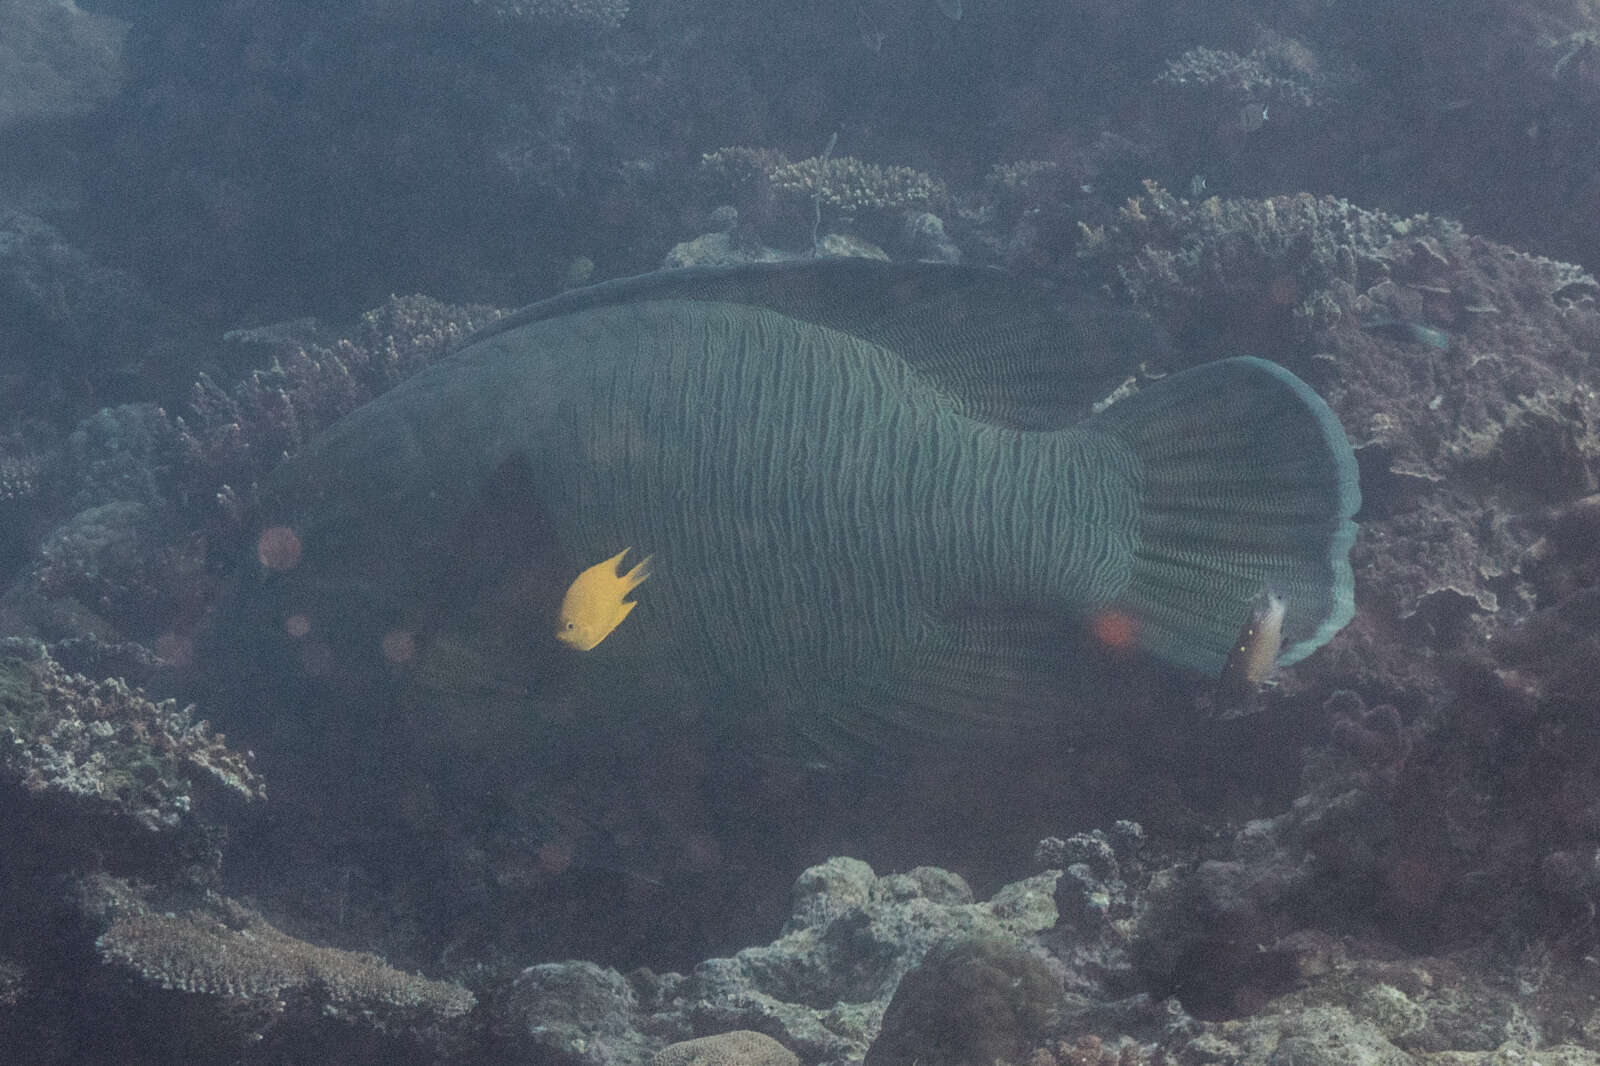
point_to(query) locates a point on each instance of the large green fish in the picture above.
(858, 482)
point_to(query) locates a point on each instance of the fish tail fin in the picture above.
(1248, 486)
(636, 577)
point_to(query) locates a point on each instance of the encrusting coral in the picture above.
(739, 1047)
(108, 747)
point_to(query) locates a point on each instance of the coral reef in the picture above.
(600, 14)
(741, 1047)
(233, 437)
(829, 192)
(1394, 861)
(849, 186)
(1304, 279)
(1092, 1051)
(20, 476)
(62, 310)
(821, 988)
(1223, 111)
(108, 750)
(1280, 76)
(990, 977)
(213, 946)
(971, 999)
(56, 59)
(121, 562)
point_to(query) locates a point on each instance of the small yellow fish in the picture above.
(1255, 653)
(594, 604)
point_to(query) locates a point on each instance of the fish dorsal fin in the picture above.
(1004, 351)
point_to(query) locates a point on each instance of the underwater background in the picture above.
(226, 226)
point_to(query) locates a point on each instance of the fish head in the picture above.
(580, 633)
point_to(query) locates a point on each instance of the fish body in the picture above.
(596, 603)
(1407, 331)
(862, 472)
(1255, 653)
(826, 508)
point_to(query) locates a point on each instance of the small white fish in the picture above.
(595, 605)
(1255, 653)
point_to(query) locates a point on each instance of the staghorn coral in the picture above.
(740, 166)
(1295, 261)
(232, 437)
(1282, 75)
(108, 748)
(214, 946)
(822, 202)
(1025, 174)
(850, 186)
(765, 184)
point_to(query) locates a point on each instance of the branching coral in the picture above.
(841, 183)
(849, 185)
(1283, 75)
(234, 437)
(20, 476)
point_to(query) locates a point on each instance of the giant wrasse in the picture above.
(849, 476)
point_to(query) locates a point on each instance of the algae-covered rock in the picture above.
(820, 989)
(56, 59)
(970, 1002)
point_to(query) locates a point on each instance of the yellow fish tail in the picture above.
(635, 577)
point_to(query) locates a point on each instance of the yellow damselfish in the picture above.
(594, 604)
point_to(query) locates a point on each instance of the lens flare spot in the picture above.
(297, 625)
(278, 548)
(1114, 629)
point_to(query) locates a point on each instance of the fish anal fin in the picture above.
(984, 676)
